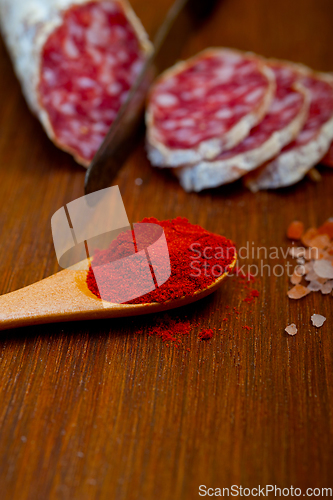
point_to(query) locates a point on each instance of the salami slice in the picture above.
(284, 120)
(76, 61)
(328, 158)
(205, 105)
(311, 144)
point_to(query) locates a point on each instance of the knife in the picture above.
(184, 18)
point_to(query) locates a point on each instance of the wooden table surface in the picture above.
(89, 411)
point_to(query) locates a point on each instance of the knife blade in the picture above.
(183, 18)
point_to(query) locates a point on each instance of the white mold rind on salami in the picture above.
(26, 26)
(161, 154)
(328, 158)
(281, 125)
(297, 159)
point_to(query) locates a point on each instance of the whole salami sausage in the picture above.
(284, 120)
(208, 104)
(311, 144)
(76, 61)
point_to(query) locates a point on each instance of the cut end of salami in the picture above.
(88, 65)
(225, 114)
(284, 120)
(311, 144)
(205, 105)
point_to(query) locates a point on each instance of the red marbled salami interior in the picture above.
(88, 66)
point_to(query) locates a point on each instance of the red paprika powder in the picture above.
(197, 259)
(206, 334)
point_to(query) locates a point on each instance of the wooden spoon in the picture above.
(66, 297)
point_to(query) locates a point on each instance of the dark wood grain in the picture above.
(91, 410)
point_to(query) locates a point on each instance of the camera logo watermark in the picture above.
(94, 222)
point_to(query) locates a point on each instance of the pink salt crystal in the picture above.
(321, 254)
(323, 268)
(297, 292)
(299, 270)
(295, 230)
(314, 253)
(329, 256)
(311, 276)
(291, 329)
(307, 254)
(295, 279)
(300, 261)
(309, 235)
(327, 228)
(318, 320)
(327, 287)
(314, 286)
(317, 253)
(321, 241)
(308, 267)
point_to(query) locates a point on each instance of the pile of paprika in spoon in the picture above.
(198, 258)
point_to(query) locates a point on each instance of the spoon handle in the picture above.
(61, 297)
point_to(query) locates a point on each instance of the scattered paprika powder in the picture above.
(197, 259)
(206, 334)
